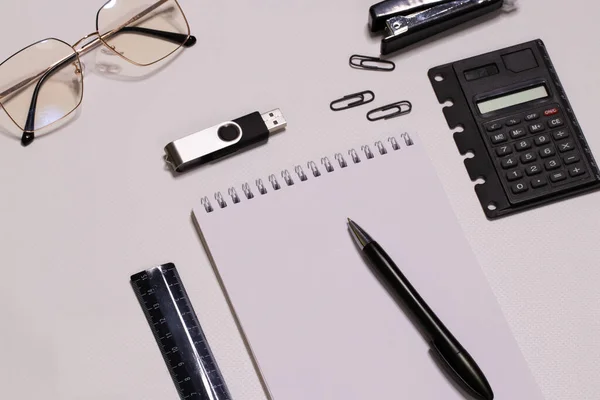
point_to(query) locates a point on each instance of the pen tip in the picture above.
(360, 236)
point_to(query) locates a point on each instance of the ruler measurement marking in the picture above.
(187, 354)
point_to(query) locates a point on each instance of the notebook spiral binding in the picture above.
(303, 175)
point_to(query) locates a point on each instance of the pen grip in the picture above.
(455, 358)
(413, 304)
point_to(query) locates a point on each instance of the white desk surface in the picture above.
(88, 205)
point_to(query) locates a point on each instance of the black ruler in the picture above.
(178, 334)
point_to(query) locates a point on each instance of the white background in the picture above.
(88, 205)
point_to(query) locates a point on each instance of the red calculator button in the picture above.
(551, 111)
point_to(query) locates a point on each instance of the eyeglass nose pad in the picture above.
(27, 138)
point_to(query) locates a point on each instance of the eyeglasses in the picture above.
(43, 83)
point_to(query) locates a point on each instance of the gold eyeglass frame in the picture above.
(99, 40)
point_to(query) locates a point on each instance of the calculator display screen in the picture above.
(523, 96)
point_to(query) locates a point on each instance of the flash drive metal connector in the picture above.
(274, 121)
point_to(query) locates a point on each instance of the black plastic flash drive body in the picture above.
(223, 140)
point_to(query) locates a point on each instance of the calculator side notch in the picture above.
(490, 193)
(512, 78)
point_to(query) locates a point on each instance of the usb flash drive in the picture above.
(223, 140)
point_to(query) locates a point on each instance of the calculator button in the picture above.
(560, 134)
(509, 162)
(552, 164)
(499, 138)
(542, 140)
(558, 176)
(571, 159)
(566, 145)
(504, 150)
(514, 175)
(576, 171)
(533, 170)
(523, 145)
(512, 122)
(517, 133)
(535, 128)
(551, 111)
(532, 116)
(538, 183)
(519, 188)
(528, 157)
(492, 127)
(555, 123)
(547, 151)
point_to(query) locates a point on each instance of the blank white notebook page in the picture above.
(319, 323)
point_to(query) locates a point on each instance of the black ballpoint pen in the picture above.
(460, 364)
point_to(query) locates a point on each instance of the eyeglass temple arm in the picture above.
(177, 38)
(186, 42)
(28, 133)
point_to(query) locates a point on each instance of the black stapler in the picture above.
(406, 22)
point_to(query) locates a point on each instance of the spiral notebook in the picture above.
(316, 321)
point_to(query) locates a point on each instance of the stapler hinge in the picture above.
(406, 22)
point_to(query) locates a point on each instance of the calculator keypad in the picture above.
(535, 152)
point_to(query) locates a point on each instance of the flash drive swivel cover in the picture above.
(223, 140)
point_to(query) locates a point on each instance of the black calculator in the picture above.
(517, 121)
